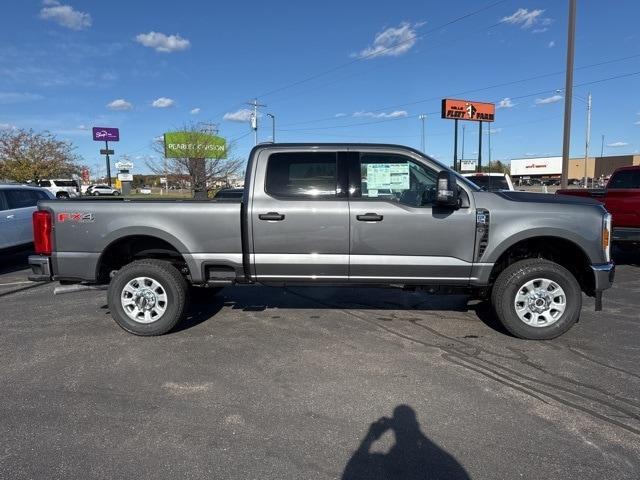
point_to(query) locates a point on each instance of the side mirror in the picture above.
(447, 189)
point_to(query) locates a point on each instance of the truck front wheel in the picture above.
(537, 299)
(147, 297)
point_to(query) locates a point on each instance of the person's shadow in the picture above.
(413, 456)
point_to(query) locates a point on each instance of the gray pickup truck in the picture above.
(334, 214)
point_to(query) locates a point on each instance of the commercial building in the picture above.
(550, 168)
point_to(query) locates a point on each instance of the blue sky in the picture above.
(328, 71)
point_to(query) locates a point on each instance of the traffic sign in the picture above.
(104, 151)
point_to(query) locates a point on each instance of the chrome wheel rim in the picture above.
(144, 300)
(540, 302)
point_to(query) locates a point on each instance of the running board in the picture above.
(77, 287)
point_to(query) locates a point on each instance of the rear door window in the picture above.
(302, 175)
(3, 201)
(626, 179)
(22, 198)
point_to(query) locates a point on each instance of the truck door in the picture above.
(397, 233)
(622, 198)
(300, 217)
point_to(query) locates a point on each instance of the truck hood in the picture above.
(530, 197)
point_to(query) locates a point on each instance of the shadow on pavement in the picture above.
(412, 457)
(15, 260)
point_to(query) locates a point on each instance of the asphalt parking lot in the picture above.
(302, 383)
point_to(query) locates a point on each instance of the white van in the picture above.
(61, 188)
(17, 204)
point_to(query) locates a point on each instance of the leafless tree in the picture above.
(29, 156)
(203, 174)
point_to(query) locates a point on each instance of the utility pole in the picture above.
(602, 147)
(463, 128)
(273, 126)
(254, 118)
(422, 118)
(568, 89)
(587, 139)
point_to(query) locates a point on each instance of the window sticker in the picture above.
(378, 176)
(399, 176)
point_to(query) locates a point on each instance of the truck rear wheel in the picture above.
(537, 299)
(147, 297)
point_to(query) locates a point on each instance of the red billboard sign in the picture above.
(468, 110)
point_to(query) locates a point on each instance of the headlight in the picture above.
(606, 236)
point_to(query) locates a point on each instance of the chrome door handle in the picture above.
(370, 217)
(271, 216)
(10, 217)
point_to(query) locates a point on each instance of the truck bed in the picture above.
(84, 229)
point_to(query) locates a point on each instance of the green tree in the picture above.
(29, 156)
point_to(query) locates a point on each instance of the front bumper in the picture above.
(603, 274)
(40, 268)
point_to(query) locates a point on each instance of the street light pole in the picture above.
(422, 118)
(568, 89)
(587, 139)
(273, 126)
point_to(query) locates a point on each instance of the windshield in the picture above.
(490, 183)
(65, 183)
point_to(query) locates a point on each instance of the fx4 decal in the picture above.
(76, 217)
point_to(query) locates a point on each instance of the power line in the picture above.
(475, 90)
(329, 127)
(379, 52)
(387, 49)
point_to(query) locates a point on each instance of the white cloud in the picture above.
(65, 15)
(551, 44)
(82, 127)
(163, 43)
(7, 126)
(506, 103)
(340, 115)
(617, 144)
(242, 115)
(637, 123)
(528, 18)
(492, 131)
(394, 114)
(392, 42)
(18, 97)
(119, 104)
(163, 102)
(548, 100)
(195, 111)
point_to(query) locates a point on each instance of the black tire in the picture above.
(61, 195)
(95, 194)
(171, 281)
(116, 193)
(514, 277)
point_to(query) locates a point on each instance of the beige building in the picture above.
(551, 167)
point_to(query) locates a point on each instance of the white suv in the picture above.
(97, 190)
(61, 188)
(17, 204)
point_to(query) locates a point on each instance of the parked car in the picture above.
(229, 193)
(336, 214)
(97, 190)
(17, 204)
(145, 190)
(621, 197)
(61, 188)
(491, 182)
